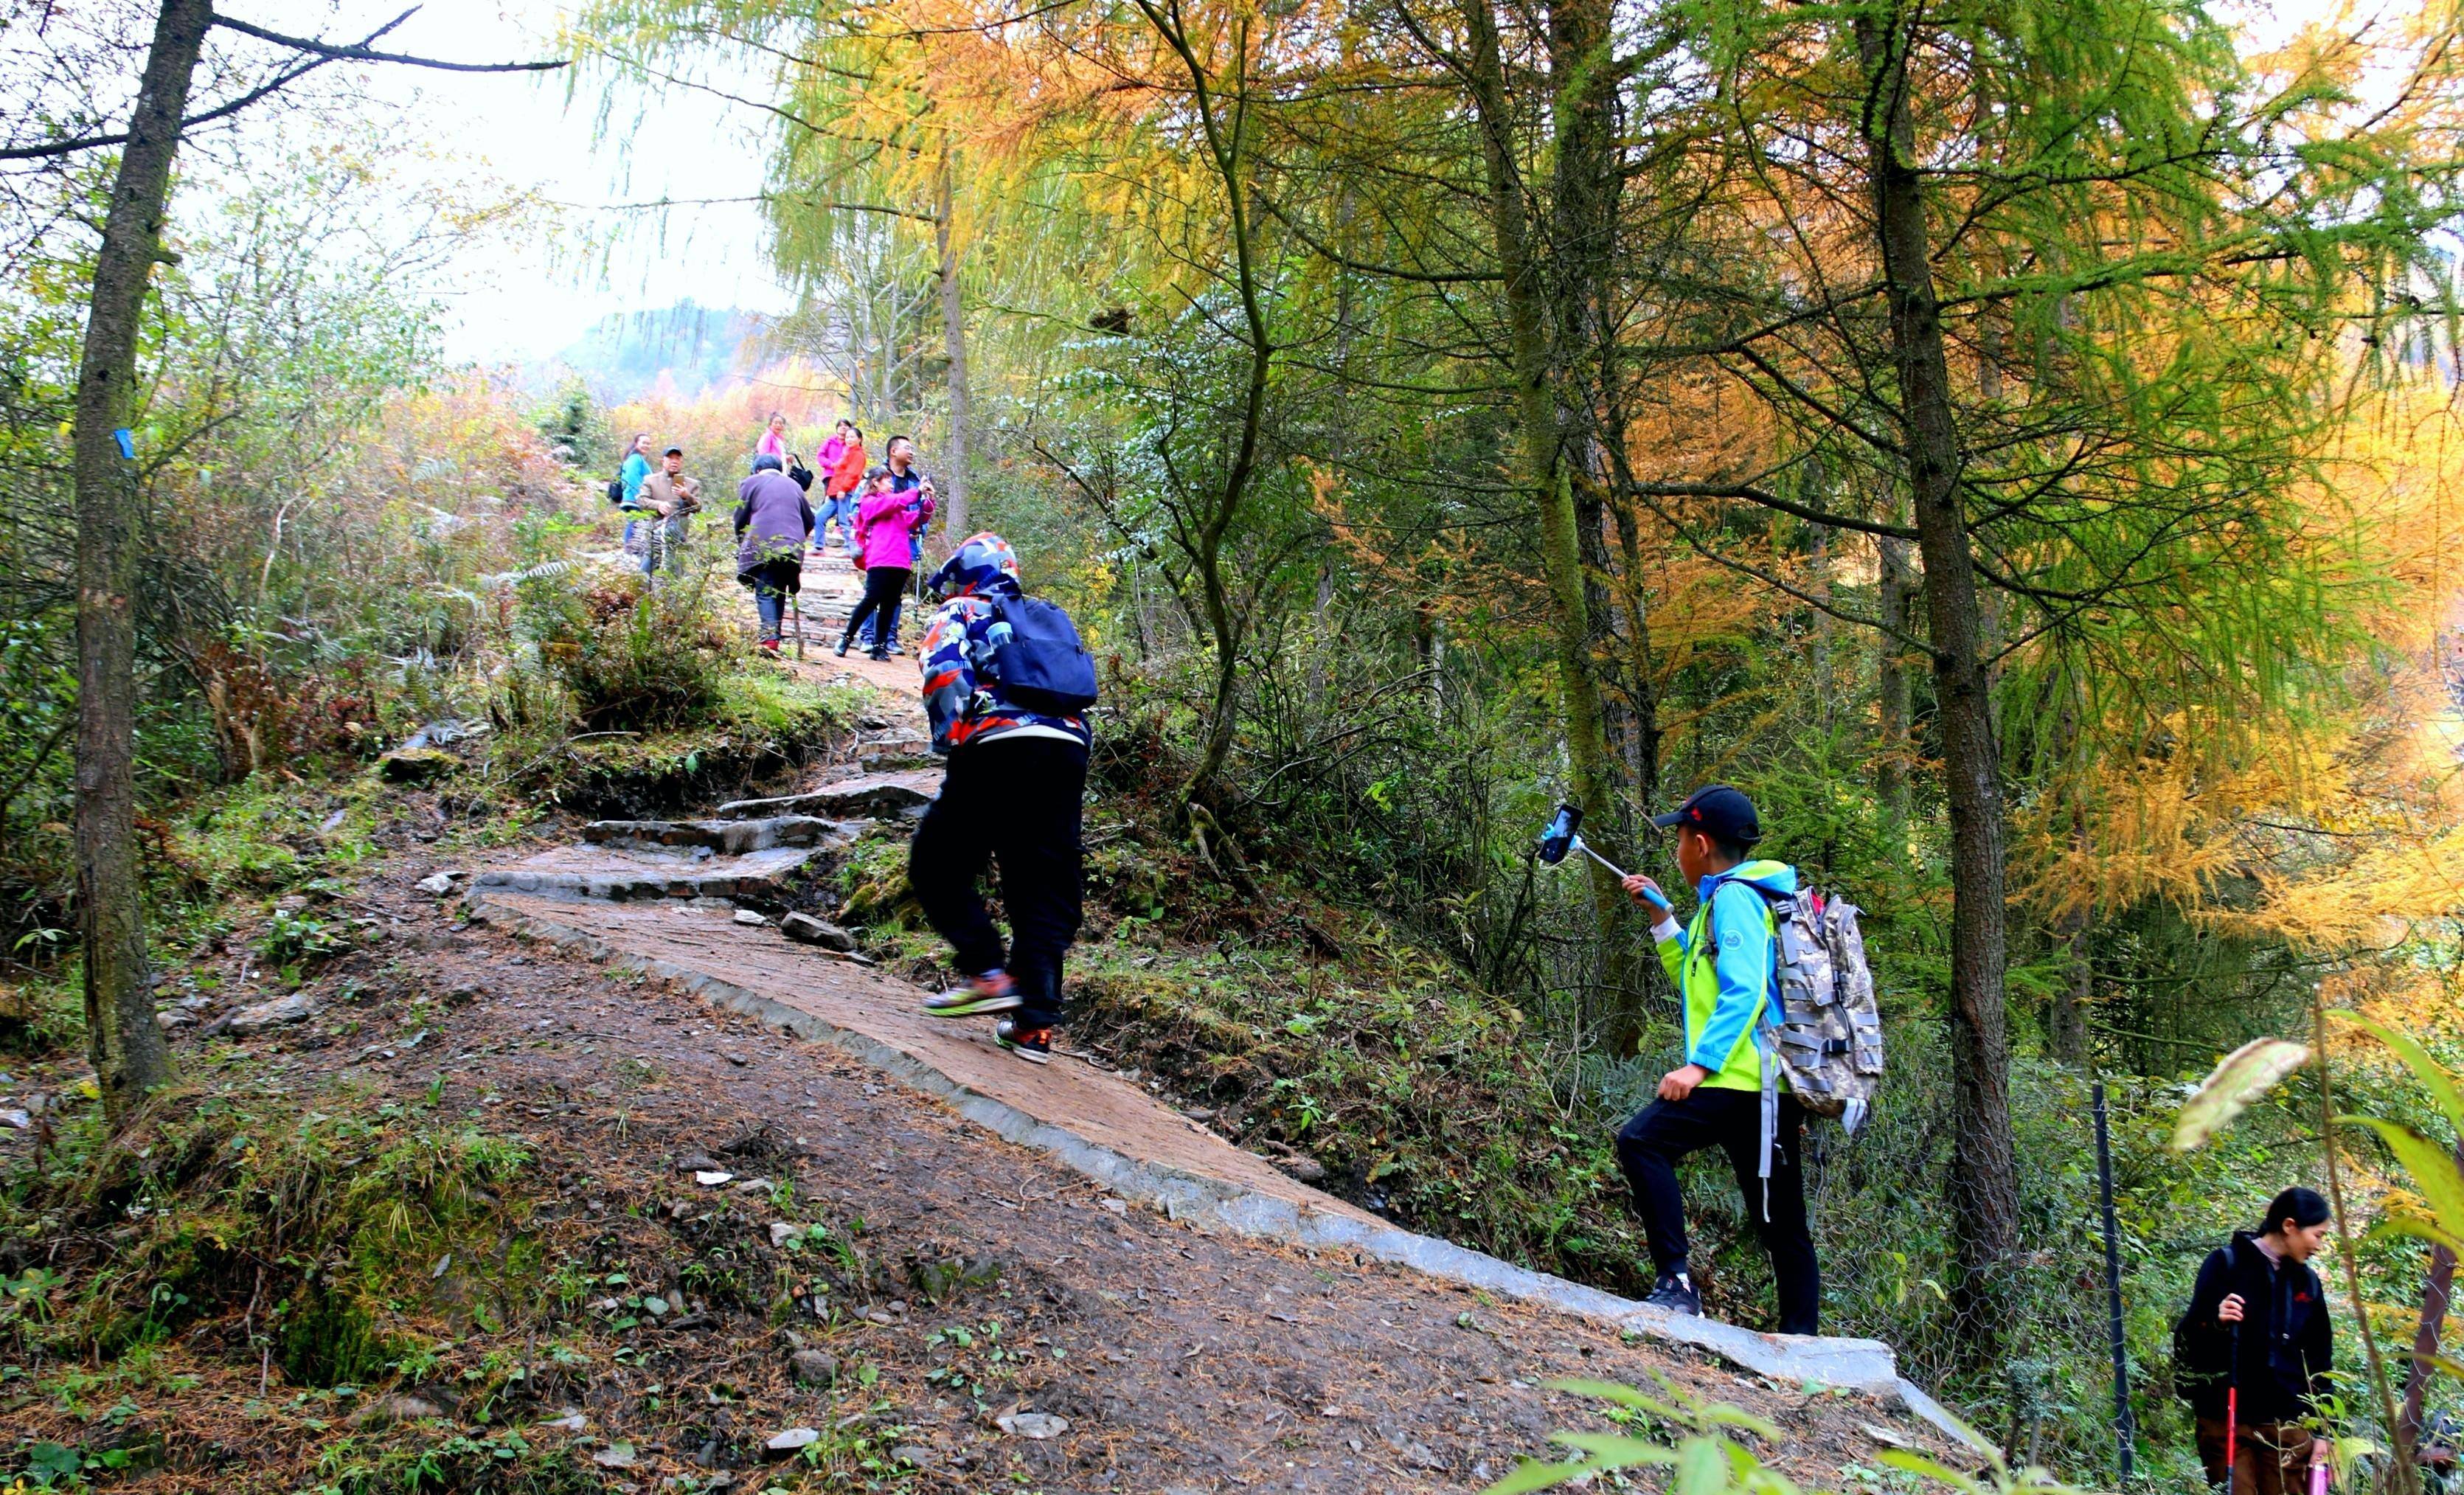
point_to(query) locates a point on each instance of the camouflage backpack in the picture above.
(1827, 1031)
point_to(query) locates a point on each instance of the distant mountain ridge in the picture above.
(626, 354)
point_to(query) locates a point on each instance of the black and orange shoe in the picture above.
(1032, 1044)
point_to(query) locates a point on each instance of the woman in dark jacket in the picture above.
(2259, 1313)
(773, 521)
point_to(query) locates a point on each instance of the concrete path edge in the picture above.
(1864, 1366)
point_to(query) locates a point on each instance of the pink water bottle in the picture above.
(2318, 1478)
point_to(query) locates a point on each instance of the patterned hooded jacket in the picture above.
(962, 692)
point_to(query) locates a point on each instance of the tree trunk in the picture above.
(2434, 1297)
(1984, 1180)
(129, 1055)
(1561, 560)
(2066, 1031)
(1640, 664)
(953, 337)
(1226, 146)
(1891, 692)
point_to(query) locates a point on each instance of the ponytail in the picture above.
(2304, 1208)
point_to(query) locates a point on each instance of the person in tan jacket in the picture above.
(673, 498)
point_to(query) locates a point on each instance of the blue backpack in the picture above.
(1043, 664)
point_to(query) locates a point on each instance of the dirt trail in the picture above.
(1182, 1361)
(982, 1278)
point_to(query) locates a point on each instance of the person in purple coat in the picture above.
(773, 521)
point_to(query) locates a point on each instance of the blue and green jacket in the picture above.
(1720, 962)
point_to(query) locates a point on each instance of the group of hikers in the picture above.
(1006, 684)
(880, 514)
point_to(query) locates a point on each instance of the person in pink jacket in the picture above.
(774, 439)
(885, 525)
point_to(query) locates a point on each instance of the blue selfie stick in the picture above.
(1561, 837)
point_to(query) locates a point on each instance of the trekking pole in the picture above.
(2122, 1420)
(2232, 1395)
(795, 601)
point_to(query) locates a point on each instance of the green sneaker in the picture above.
(991, 992)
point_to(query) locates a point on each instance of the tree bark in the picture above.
(129, 1055)
(1226, 146)
(1984, 1180)
(953, 337)
(1641, 666)
(1561, 560)
(2435, 1294)
(1891, 692)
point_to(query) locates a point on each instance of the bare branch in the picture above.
(360, 52)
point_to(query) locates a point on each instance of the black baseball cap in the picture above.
(673, 451)
(1719, 811)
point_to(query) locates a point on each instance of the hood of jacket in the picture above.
(1776, 878)
(983, 566)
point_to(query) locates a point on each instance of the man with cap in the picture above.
(673, 497)
(1722, 963)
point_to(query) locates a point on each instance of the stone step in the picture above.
(726, 837)
(618, 874)
(874, 795)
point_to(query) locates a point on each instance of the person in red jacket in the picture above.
(839, 485)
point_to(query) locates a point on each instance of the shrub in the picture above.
(651, 658)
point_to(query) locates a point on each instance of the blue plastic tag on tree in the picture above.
(128, 444)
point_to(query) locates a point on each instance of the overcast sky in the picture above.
(530, 301)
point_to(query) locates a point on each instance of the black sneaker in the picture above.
(1674, 1292)
(1032, 1044)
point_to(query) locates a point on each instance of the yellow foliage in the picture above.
(2340, 833)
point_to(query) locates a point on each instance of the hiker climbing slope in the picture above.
(1006, 683)
(1721, 964)
(884, 549)
(2254, 1352)
(773, 521)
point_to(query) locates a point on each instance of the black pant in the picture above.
(1014, 802)
(883, 588)
(1648, 1149)
(772, 582)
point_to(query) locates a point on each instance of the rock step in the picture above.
(874, 795)
(616, 875)
(726, 837)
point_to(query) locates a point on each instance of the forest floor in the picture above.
(911, 1301)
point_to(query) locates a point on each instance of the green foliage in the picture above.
(574, 426)
(292, 936)
(1698, 1441)
(362, 1209)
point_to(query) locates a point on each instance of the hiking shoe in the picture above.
(1674, 1292)
(842, 649)
(1032, 1044)
(879, 653)
(770, 646)
(991, 992)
